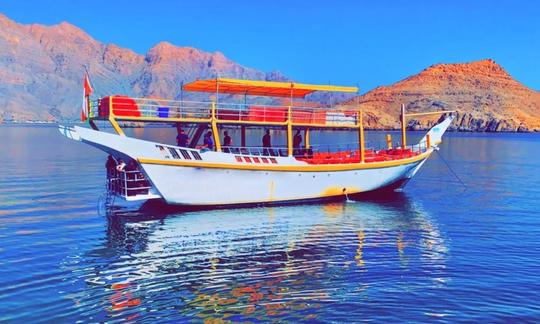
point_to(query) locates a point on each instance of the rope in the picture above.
(451, 170)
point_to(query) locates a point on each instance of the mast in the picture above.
(361, 138)
(213, 122)
(289, 124)
(403, 128)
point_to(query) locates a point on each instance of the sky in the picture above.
(357, 43)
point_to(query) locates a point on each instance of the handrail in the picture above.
(256, 150)
(147, 109)
(312, 150)
(127, 182)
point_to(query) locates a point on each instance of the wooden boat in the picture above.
(192, 175)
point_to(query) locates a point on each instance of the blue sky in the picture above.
(364, 43)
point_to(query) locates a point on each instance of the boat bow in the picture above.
(436, 133)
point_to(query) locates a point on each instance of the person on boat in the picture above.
(208, 141)
(267, 143)
(297, 140)
(182, 138)
(227, 141)
(110, 165)
(119, 168)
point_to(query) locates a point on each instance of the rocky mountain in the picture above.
(41, 69)
(486, 97)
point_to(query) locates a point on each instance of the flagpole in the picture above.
(86, 98)
(89, 79)
(89, 103)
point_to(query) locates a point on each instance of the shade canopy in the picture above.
(262, 88)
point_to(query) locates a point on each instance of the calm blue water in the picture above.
(436, 252)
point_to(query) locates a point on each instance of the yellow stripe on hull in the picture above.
(289, 168)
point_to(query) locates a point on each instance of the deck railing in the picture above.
(146, 109)
(332, 153)
(256, 150)
(127, 183)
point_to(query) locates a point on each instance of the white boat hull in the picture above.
(196, 178)
(215, 186)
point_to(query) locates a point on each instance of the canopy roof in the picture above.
(261, 88)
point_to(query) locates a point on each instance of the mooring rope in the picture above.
(451, 170)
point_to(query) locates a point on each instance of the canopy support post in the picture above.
(243, 136)
(217, 89)
(289, 125)
(306, 138)
(215, 131)
(289, 133)
(361, 137)
(116, 127)
(389, 141)
(403, 128)
(112, 120)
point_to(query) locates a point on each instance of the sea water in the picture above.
(436, 252)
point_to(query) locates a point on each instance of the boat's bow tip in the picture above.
(436, 132)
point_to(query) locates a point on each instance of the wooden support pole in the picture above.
(389, 141)
(116, 127)
(243, 136)
(215, 132)
(111, 111)
(289, 133)
(306, 138)
(361, 137)
(403, 128)
(113, 122)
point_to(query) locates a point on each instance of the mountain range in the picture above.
(41, 75)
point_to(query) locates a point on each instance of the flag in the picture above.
(87, 90)
(87, 87)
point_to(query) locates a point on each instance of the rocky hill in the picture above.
(41, 70)
(486, 97)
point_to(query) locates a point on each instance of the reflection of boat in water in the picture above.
(269, 260)
(220, 174)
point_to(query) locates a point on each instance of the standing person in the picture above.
(182, 138)
(208, 141)
(297, 140)
(227, 141)
(111, 172)
(267, 143)
(110, 165)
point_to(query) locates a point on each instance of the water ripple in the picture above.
(436, 253)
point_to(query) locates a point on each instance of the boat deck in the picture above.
(345, 157)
